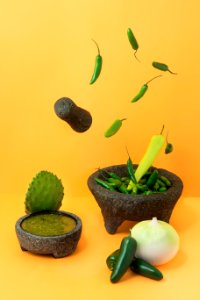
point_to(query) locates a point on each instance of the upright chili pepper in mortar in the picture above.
(155, 145)
(143, 89)
(126, 254)
(98, 65)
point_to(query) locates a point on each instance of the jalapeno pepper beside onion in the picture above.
(125, 258)
(137, 265)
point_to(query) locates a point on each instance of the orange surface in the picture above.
(84, 275)
(47, 53)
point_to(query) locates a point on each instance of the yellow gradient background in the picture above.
(47, 53)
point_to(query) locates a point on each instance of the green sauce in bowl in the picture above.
(48, 224)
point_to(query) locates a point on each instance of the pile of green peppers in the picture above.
(152, 182)
(124, 258)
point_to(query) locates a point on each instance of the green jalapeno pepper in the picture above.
(107, 174)
(123, 188)
(114, 181)
(143, 90)
(161, 66)
(168, 148)
(156, 186)
(125, 258)
(162, 189)
(130, 168)
(141, 187)
(104, 184)
(132, 41)
(152, 178)
(141, 93)
(144, 268)
(114, 128)
(165, 180)
(138, 266)
(98, 65)
(113, 175)
(111, 259)
(147, 193)
(161, 183)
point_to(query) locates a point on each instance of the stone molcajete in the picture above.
(117, 207)
(45, 229)
(57, 245)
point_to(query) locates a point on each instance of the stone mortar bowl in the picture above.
(58, 245)
(117, 207)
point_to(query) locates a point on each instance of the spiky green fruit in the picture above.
(45, 192)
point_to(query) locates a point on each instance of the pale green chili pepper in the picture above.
(156, 143)
(114, 128)
(162, 67)
(143, 90)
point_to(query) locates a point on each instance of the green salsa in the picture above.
(48, 224)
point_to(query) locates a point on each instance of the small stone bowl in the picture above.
(117, 207)
(58, 245)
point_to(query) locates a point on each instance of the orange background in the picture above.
(47, 53)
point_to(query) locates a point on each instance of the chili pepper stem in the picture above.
(136, 56)
(153, 79)
(172, 72)
(162, 129)
(97, 46)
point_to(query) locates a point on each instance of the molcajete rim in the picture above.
(117, 207)
(58, 245)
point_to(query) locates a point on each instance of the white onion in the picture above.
(157, 241)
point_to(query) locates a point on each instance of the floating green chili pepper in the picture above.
(98, 65)
(169, 147)
(143, 90)
(114, 128)
(133, 41)
(162, 67)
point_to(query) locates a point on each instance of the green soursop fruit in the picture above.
(45, 192)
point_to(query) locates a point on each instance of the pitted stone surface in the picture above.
(117, 207)
(58, 246)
